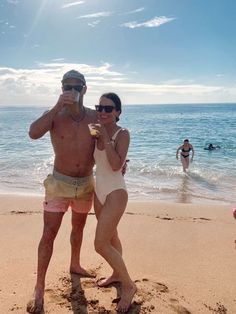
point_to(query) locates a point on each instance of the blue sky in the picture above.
(148, 51)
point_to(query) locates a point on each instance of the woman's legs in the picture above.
(108, 218)
(185, 163)
(115, 242)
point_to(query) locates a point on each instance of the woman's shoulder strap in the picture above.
(116, 133)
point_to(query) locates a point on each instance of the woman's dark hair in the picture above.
(186, 140)
(116, 100)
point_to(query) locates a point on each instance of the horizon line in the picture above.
(150, 104)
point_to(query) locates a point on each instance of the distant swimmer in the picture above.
(186, 148)
(211, 147)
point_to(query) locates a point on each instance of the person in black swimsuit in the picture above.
(211, 147)
(186, 148)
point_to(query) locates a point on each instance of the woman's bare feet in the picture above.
(104, 282)
(127, 295)
(35, 304)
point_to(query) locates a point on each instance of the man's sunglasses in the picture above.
(107, 109)
(78, 88)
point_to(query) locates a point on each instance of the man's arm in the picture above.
(43, 124)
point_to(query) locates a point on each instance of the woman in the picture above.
(184, 155)
(110, 193)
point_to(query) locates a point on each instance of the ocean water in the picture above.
(153, 171)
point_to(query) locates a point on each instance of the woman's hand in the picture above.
(123, 169)
(102, 133)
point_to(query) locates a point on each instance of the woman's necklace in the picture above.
(79, 118)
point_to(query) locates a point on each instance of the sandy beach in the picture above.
(181, 257)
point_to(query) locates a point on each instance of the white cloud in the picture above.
(13, 1)
(134, 11)
(41, 86)
(71, 4)
(6, 26)
(95, 15)
(155, 22)
(58, 60)
(94, 23)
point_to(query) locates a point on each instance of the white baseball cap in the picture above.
(73, 74)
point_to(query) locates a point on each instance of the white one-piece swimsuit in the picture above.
(107, 180)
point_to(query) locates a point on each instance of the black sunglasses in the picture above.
(78, 88)
(107, 109)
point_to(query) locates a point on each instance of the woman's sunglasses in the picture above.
(107, 109)
(78, 88)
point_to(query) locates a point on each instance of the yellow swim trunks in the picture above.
(62, 191)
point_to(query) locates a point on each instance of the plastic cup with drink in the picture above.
(76, 95)
(93, 129)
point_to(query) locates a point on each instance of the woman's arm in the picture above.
(116, 155)
(192, 153)
(177, 152)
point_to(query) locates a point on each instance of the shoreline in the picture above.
(181, 257)
(202, 202)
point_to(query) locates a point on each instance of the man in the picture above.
(71, 183)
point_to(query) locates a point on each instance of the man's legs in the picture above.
(78, 221)
(52, 222)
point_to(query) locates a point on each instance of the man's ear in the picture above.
(84, 90)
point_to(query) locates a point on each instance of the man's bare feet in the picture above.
(126, 298)
(80, 271)
(35, 304)
(104, 282)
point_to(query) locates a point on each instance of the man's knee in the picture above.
(52, 223)
(50, 233)
(78, 222)
(77, 231)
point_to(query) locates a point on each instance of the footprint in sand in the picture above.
(152, 293)
(88, 283)
(148, 290)
(177, 307)
(184, 218)
(219, 308)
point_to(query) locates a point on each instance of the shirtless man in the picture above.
(71, 183)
